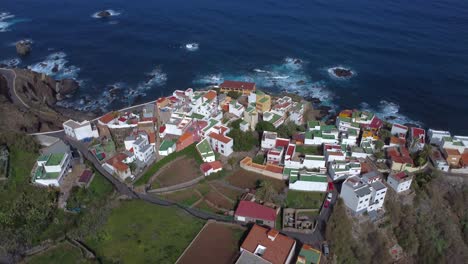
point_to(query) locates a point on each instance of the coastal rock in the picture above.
(55, 68)
(301, 82)
(297, 61)
(67, 86)
(103, 14)
(23, 47)
(342, 72)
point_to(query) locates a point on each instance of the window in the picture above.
(222, 151)
(259, 222)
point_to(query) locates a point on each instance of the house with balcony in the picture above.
(339, 169)
(220, 142)
(275, 118)
(400, 181)
(361, 197)
(235, 86)
(236, 108)
(51, 168)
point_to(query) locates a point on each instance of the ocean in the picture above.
(409, 58)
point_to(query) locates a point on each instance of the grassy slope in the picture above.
(309, 200)
(63, 253)
(137, 232)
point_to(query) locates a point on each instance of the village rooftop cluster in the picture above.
(355, 149)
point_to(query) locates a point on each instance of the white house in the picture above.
(399, 130)
(51, 168)
(438, 160)
(360, 196)
(79, 130)
(400, 181)
(307, 181)
(275, 118)
(346, 123)
(268, 140)
(418, 136)
(275, 155)
(334, 152)
(211, 167)
(459, 143)
(244, 126)
(321, 134)
(296, 113)
(220, 142)
(236, 109)
(177, 124)
(142, 149)
(342, 169)
(205, 151)
(167, 147)
(349, 138)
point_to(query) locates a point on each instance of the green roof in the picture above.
(264, 99)
(312, 256)
(309, 157)
(274, 118)
(197, 116)
(448, 139)
(40, 173)
(250, 109)
(309, 135)
(328, 136)
(244, 123)
(55, 159)
(313, 123)
(345, 119)
(43, 158)
(458, 143)
(204, 148)
(166, 144)
(212, 123)
(313, 178)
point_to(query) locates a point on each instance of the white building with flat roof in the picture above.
(360, 197)
(80, 130)
(400, 181)
(436, 136)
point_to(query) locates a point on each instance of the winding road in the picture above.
(10, 76)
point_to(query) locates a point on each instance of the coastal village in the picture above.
(264, 164)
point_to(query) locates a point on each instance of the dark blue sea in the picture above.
(409, 58)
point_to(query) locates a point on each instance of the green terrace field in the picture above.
(304, 200)
(62, 253)
(138, 232)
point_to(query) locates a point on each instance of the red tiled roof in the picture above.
(274, 168)
(277, 249)
(85, 176)
(220, 137)
(401, 126)
(117, 162)
(210, 95)
(454, 152)
(152, 137)
(237, 85)
(464, 159)
(290, 150)
(162, 129)
(255, 210)
(107, 117)
(282, 142)
(418, 133)
(205, 167)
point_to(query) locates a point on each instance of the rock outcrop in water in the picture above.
(342, 72)
(103, 14)
(23, 47)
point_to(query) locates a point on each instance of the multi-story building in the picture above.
(438, 160)
(399, 131)
(51, 168)
(400, 181)
(296, 113)
(220, 142)
(417, 138)
(276, 119)
(235, 86)
(251, 117)
(361, 197)
(319, 134)
(262, 101)
(80, 130)
(339, 169)
(142, 149)
(303, 180)
(236, 108)
(436, 136)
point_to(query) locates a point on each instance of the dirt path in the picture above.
(220, 193)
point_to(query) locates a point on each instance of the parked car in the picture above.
(331, 187)
(329, 197)
(326, 204)
(325, 249)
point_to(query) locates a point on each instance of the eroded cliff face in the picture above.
(39, 88)
(40, 92)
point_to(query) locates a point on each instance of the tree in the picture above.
(243, 141)
(266, 191)
(264, 126)
(233, 94)
(385, 135)
(379, 144)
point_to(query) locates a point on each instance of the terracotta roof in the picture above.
(418, 133)
(117, 162)
(152, 137)
(282, 142)
(276, 250)
(210, 95)
(220, 137)
(274, 168)
(238, 85)
(184, 137)
(255, 210)
(107, 117)
(452, 151)
(464, 159)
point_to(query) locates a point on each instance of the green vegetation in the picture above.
(304, 200)
(234, 95)
(385, 135)
(259, 159)
(243, 141)
(433, 229)
(266, 191)
(138, 232)
(369, 247)
(97, 191)
(189, 151)
(62, 253)
(289, 129)
(308, 150)
(264, 126)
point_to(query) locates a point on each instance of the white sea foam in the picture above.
(56, 66)
(7, 20)
(157, 78)
(111, 12)
(10, 63)
(389, 111)
(289, 76)
(192, 46)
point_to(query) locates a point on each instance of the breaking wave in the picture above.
(7, 20)
(289, 76)
(56, 66)
(389, 111)
(10, 63)
(331, 72)
(192, 46)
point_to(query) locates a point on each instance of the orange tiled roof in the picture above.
(220, 137)
(210, 95)
(277, 250)
(454, 152)
(107, 117)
